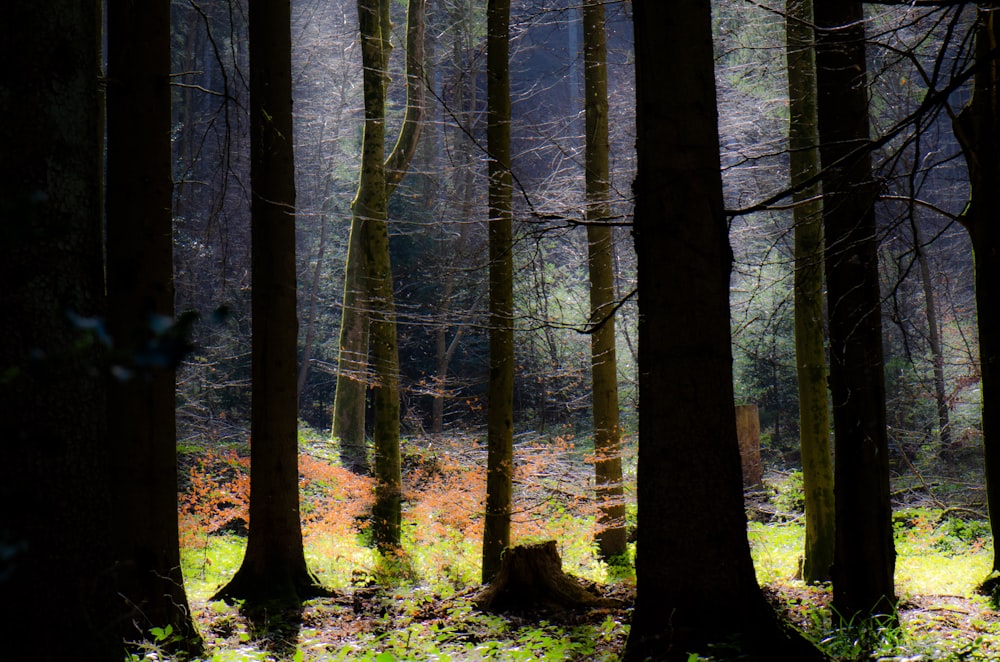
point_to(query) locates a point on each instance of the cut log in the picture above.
(531, 578)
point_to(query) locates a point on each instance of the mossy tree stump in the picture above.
(531, 578)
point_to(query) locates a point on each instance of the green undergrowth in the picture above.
(421, 609)
(418, 605)
(939, 564)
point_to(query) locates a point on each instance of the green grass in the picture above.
(428, 613)
(420, 607)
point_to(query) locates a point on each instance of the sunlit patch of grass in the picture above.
(940, 557)
(208, 566)
(934, 574)
(776, 550)
(338, 560)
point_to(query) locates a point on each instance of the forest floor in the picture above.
(419, 606)
(381, 625)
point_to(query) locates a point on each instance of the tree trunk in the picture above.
(748, 436)
(933, 338)
(371, 207)
(604, 365)
(274, 569)
(352, 360)
(139, 253)
(978, 132)
(695, 578)
(500, 417)
(54, 477)
(810, 341)
(368, 296)
(864, 552)
(310, 335)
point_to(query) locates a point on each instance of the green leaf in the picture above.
(161, 634)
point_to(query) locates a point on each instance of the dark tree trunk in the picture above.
(274, 567)
(978, 131)
(500, 460)
(603, 357)
(141, 426)
(864, 556)
(695, 579)
(56, 559)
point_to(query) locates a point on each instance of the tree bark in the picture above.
(810, 341)
(748, 436)
(55, 475)
(274, 569)
(531, 578)
(369, 309)
(311, 315)
(695, 578)
(371, 207)
(864, 557)
(352, 359)
(500, 417)
(611, 536)
(978, 131)
(933, 338)
(139, 253)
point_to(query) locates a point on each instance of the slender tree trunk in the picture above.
(139, 253)
(311, 316)
(371, 206)
(500, 418)
(274, 568)
(810, 351)
(604, 366)
(398, 161)
(933, 338)
(695, 578)
(352, 360)
(864, 555)
(978, 131)
(379, 177)
(368, 301)
(55, 476)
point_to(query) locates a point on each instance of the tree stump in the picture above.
(748, 432)
(531, 578)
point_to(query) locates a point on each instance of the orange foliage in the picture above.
(444, 492)
(445, 496)
(218, 495)
(333, 500)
